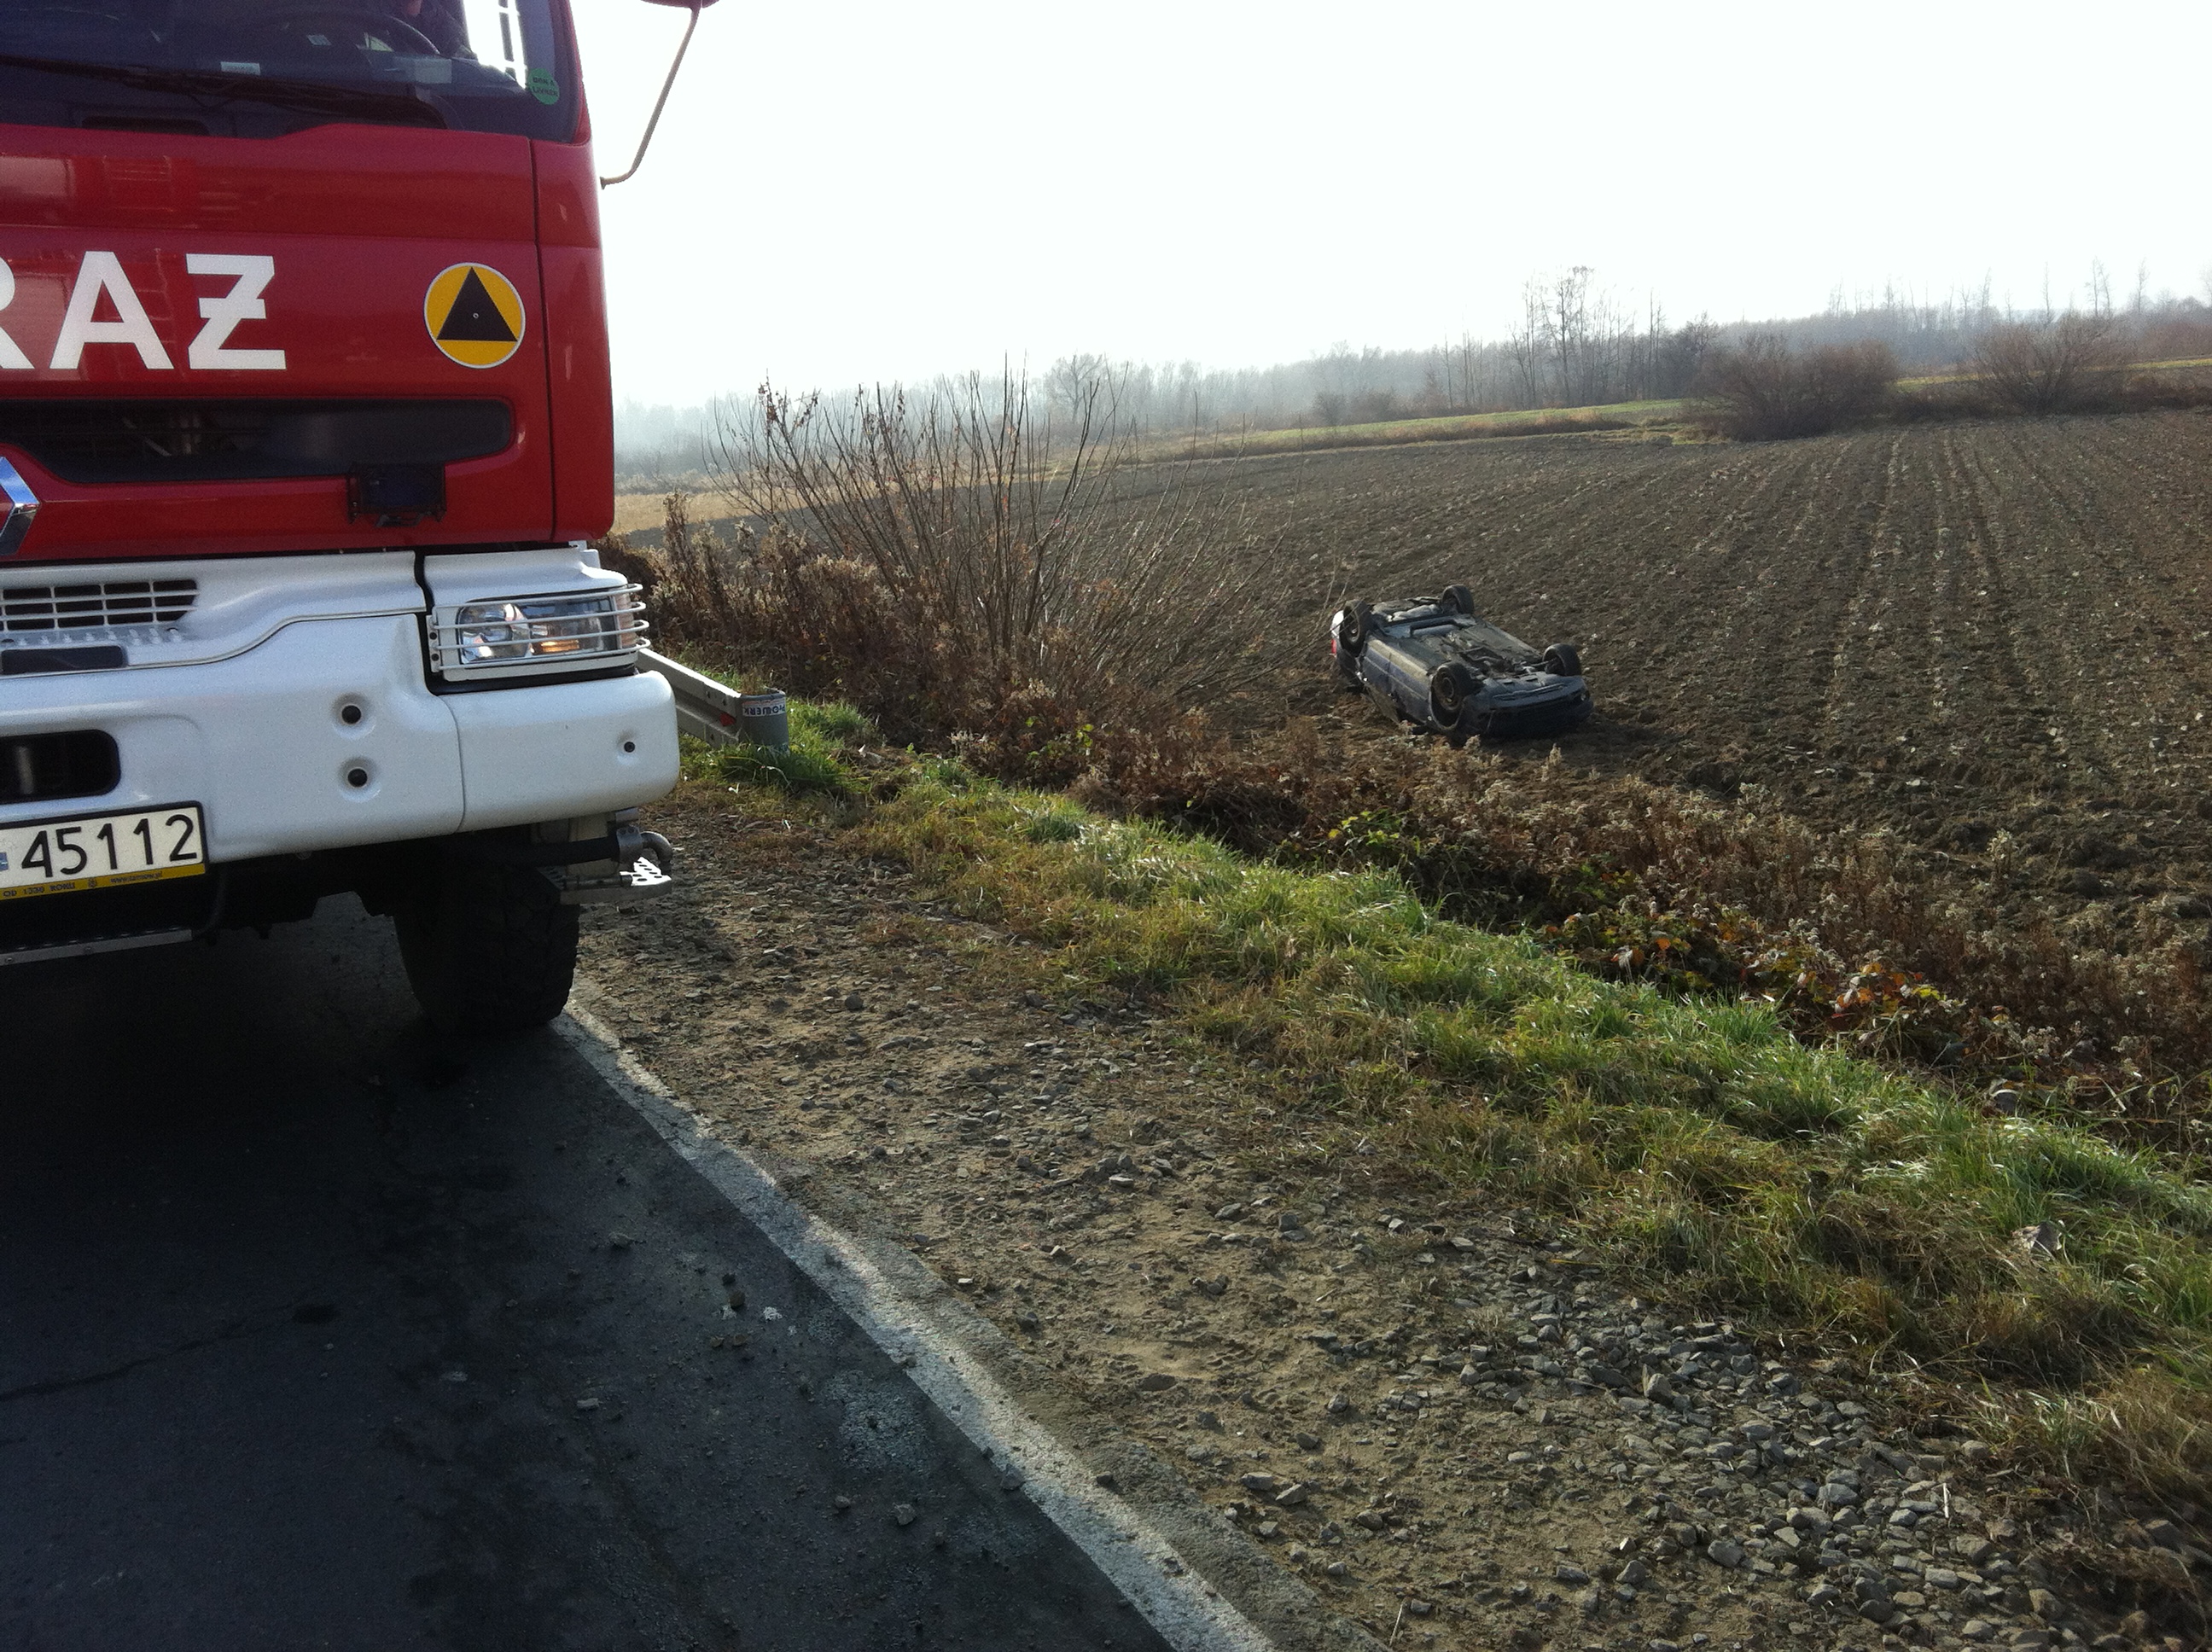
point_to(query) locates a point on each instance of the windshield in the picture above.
(256, 68)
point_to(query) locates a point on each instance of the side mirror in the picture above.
(695, 7)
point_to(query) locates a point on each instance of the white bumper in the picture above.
(259, 738)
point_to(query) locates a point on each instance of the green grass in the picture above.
(1696, 1140)
(821, 736)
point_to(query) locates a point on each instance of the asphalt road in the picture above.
(316, 1331)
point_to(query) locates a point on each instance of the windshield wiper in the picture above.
(390, 108)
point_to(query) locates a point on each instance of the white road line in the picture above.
(1188, 1614)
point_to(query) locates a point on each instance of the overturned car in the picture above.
(1432, 662)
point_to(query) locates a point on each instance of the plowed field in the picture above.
(1957, 630)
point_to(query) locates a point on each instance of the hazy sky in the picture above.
(849, 190)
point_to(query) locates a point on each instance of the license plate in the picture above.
(50, 857)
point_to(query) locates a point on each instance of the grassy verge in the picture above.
(2058, 1283)
(823, 735)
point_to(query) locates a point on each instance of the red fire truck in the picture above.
(304, 428)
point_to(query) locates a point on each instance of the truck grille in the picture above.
(49, 608)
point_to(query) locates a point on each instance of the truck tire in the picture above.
(1458, 599)
(489, 949)
(1563, 659)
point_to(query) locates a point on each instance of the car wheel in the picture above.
(488, 949)
(1353, 627)
(1458, 599)
(1563, 659)
(1343, 657)
(1451, 690)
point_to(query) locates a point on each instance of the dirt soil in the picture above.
(1460, 1433)
(1990, 637)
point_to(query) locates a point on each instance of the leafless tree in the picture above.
(1069, 382)
(1567, 323)
(1525, 349)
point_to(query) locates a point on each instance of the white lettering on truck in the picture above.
(10, 356)
(241, 303)
(102, 273)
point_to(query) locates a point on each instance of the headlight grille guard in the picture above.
(541, 634)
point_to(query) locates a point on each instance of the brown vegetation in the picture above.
(1848, 934)
(1764, 391)
(2062, 364)
(952, 564)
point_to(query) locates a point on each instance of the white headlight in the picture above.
(559, 632)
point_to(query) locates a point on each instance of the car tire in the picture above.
(1563, 659)
(489, 949)
(1352, 628)
(1452, 690)
(1458, 599)
(1343, 657)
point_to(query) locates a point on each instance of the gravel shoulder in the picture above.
(1458, 1432)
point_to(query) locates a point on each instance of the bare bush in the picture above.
(688, 584)
(2064, 364)
(1764, 391)
(957, 562)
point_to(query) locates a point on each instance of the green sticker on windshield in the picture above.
(543, 86)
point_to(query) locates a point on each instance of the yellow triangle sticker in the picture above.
(474, 314)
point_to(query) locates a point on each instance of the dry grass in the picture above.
(1396, 433)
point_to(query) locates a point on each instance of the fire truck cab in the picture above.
(305, 432)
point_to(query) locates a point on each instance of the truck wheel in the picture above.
(1563, 659)
(1458, 599)
(488, 949)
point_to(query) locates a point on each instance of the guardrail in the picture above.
(705, 709)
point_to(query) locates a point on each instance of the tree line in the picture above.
(1574, 342)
